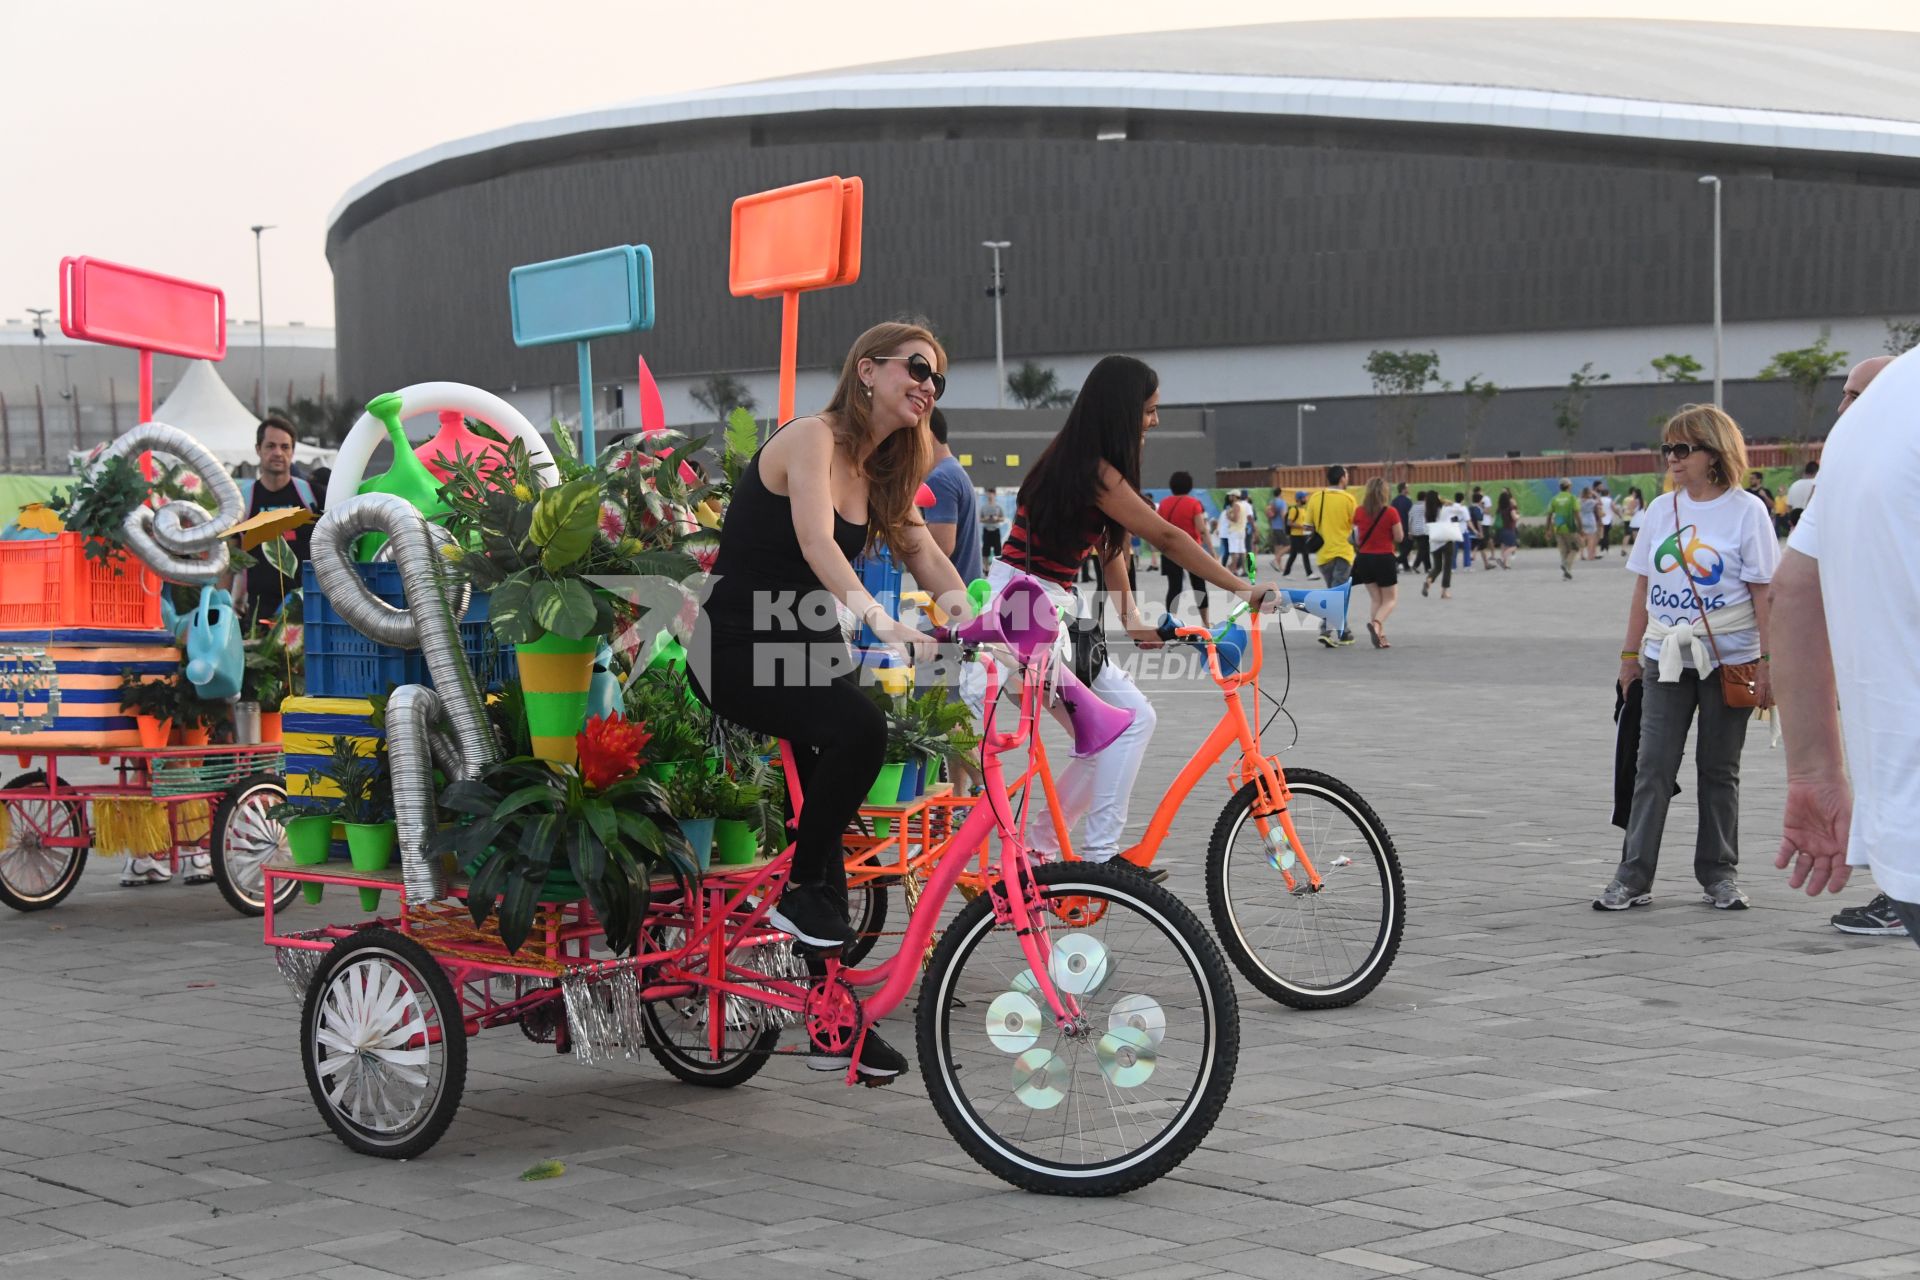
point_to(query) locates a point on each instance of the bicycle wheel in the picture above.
(676, 1030)
(1308, 949)
(384, 1045)
(36, 873)
(242, 841)
(1113, 1103)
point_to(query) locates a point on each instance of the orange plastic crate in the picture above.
(50, 582)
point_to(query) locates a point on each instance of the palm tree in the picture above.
(721, 393)
(1037, 388)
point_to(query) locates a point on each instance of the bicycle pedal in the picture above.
(878, 1082)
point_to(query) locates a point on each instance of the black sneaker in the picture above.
(1877, 919)
(878, 1059)
(1153, 875)
(809, 913)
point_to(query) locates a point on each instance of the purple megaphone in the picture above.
(1022, 617)
(1096, 724)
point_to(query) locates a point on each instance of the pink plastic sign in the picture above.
(126, 307)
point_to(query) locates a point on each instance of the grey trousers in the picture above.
(1335, 572)
(1667, 712)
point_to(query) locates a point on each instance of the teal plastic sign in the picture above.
(589, 295)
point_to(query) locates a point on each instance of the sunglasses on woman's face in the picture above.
(921, 371)
(1680, 450)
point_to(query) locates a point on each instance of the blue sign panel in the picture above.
(589, 295)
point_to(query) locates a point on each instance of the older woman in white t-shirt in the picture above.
(1702, 567)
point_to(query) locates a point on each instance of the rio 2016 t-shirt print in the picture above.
(1725, 544)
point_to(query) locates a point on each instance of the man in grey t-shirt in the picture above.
(954, 517)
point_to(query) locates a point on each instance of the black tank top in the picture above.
(760, 556)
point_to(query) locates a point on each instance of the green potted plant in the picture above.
(364, 807)
(679, 724)
(737, 820)
(98, 504)
(151, 702)
(945, 730)
(695, 798)
(595, 828)
(194, 717)
(308, 825)
(537, 546)
(276, 670)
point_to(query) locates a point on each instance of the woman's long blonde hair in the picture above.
(1708, 426)
(894, 470)
(1376, 500)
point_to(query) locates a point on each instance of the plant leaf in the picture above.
(510, 612)
(565, 607)
(564, 521)
(516, 910)
(278, 554)
(541, 1170)
(521, 799)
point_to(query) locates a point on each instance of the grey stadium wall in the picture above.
(1194, 232)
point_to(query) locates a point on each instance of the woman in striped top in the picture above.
(1083, 497)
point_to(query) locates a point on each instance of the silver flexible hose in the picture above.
(415, 743)
(180, 541)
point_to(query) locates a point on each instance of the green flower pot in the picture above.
(886, 790)
(699, 834)
(555, 676)
(308, 842)
(371, 846)
(735, 841)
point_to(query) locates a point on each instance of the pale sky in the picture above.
(156, 133)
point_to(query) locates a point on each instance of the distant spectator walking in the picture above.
(1446, 529)
(1506, 527)
(1563, 523)
(1589, 524)
(1605, 499)
(1377, 535)
(993, 519)
(1299, 530)
(1331, 510)
(1700, 607)
(1413, 552)
(954, 518)
(1633, 509)
(1184, 512)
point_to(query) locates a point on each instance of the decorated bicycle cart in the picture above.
(1077, 1030)
(110, 700)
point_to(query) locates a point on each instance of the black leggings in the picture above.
(846, 732)
(1297, 550)
(1442, 564)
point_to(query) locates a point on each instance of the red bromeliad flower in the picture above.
(705, 556)
(610, 748)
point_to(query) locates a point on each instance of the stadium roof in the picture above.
(1707, 84)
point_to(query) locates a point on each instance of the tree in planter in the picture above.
(610, 828)
(1808, 369)
(366, 790)
(97, 505)
(1400, 380)
(1034, 386)
(1569, 411)
(1480, 394)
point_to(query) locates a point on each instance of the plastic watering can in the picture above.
(215, 658)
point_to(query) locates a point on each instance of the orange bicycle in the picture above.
(1303, 882)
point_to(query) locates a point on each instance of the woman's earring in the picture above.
(867, 387)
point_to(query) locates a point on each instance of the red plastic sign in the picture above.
(806, 236)
(126, 307)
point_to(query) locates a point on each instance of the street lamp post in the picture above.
(998, 290)
(40, 315)
(1714, 182)
(260, 296)
(1300, 433)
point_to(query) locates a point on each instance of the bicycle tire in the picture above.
(1234, 932)
(1215, 1062)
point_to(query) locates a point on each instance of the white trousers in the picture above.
(1098, 789)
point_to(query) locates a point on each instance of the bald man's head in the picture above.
(1859, 376)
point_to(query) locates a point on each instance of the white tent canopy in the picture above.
(201, 405)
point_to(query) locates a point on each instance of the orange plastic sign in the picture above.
(806, 236)
(126, 307)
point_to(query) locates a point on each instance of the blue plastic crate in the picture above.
(342, 663)
(881, 577)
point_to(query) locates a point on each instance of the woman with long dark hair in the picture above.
(819, 492)
(1082, 497)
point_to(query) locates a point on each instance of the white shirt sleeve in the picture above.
(1759, 544)
(1805, 537)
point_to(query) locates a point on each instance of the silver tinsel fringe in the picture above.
(298, 965)
(603, 1013)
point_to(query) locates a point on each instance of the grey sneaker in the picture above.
(1617, 897)
(1725, 895)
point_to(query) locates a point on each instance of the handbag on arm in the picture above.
(1739, 681)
